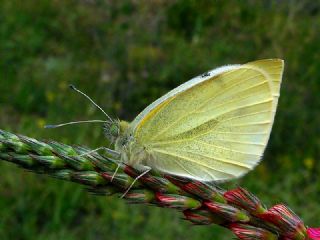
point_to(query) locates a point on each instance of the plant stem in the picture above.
(201, 203)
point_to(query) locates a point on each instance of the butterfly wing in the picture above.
(214, 127)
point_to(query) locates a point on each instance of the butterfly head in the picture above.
(115, 129)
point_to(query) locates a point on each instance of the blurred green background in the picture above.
(125, 54)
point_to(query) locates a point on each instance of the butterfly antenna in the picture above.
(75, 122)
(85, 95)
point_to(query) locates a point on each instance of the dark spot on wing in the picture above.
(206, 74)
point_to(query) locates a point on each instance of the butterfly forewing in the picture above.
(216, 129)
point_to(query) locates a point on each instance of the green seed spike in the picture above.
(237, 210)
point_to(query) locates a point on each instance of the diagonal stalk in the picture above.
(202, 204)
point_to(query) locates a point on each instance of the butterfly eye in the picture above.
(114, 130)
(111, 130)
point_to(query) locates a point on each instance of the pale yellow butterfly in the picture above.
(213, 127)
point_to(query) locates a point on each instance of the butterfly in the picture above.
(213, 127)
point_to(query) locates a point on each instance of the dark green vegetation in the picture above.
(126, 55)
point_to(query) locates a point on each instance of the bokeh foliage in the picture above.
(125, 54)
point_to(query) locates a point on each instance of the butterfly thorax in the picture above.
(131, 151)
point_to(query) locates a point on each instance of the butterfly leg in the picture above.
(109, 151)
(134, 181)
(115, 172)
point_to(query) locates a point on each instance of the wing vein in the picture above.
(244, 115)
(190, 160)
(222, 160)
(228, 149)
